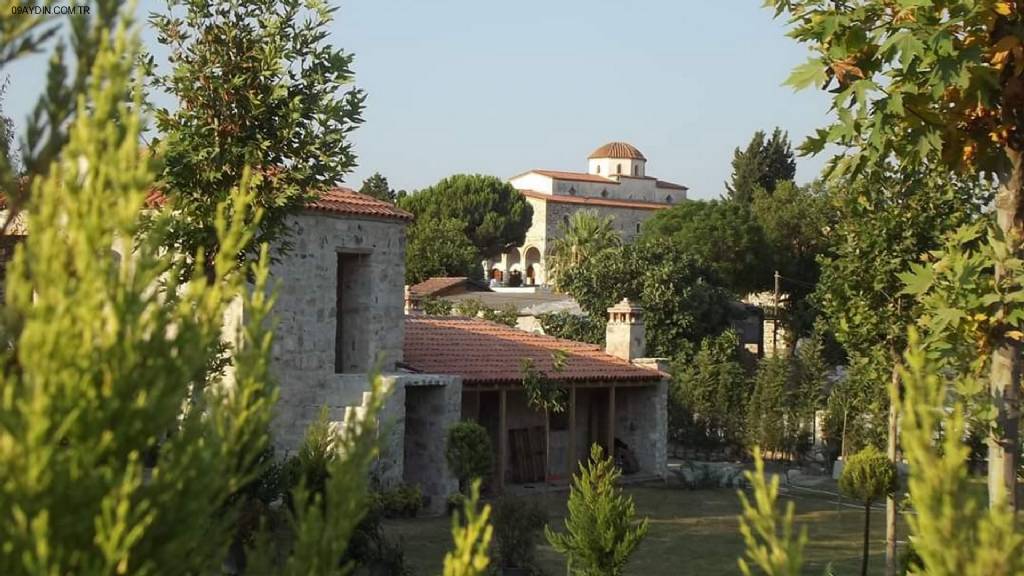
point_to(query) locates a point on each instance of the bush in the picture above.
(433, 306)
(403, 501)
(516, 524)
(573, 327)
(469, 453)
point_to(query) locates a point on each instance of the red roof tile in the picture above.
(347, 201)
(574, 176)
(436, 285)
(338, 200)
(588, 201)
(623, 150)
(484, 352)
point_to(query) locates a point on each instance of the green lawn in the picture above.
(692, 532)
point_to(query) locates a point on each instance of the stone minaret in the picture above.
(624, 336)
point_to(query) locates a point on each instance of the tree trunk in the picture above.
(867, 540)
(890, 500)
(1006, 361)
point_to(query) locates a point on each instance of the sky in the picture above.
(504, 87)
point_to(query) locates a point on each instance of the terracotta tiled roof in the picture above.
(574, 176)
(670, 185)
(435, 286)
(484, 352)
(587, 201)
(617, 150)
(338, 200)
(347, 201)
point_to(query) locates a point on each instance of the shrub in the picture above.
(581, 328)
(516, 524)
(469, 453)
(433, 306)
(601, 528)
(403, 501)
(868, 476)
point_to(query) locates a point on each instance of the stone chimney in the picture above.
(624, 336)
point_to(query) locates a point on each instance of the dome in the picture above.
(617, 150)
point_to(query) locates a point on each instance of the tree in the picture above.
(472, 538)
(681, 298)
(257, 87)
(710, 393)
(585, 235)
(723, 235)
(796, 222)
(768, 420)
(601, 530)
(377, 187)
(923, 84)
(440, 248)
(761, 166)
(495, 215)
(867, 476)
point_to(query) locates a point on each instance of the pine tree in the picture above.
(762, 165)
(601, 530)
(377, 186)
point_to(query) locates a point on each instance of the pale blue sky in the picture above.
(502, 87)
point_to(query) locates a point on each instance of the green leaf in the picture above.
(809, 73)
(918, 280)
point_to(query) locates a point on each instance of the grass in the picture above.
(692, 532)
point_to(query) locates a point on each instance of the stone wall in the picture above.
(304, 355)
(414, 428)
(625, 220)
(641, 421)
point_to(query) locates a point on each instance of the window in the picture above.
(351, 346)
(668, 199)
(618, 168)
(604, 193)
(572, 191)
(598, 168)
(637, 227)
(565, 220)
(636, 170)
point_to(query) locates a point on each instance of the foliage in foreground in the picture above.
(472, 536)
(953, 530)
(769, 540)
(113, 374)
(601, 530)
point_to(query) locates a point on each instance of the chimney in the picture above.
(624, 335)
(411, 305)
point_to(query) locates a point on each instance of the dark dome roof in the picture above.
(617, 150)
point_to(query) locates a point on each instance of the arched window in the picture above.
(636, 170)
(618, 168)
(604, 193)
(668, 199)
(598, 168)
(637, 227)
(565, 220)
(572, 191)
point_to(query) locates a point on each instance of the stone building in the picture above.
(339, 316)
(614, 397)
(615, 184)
